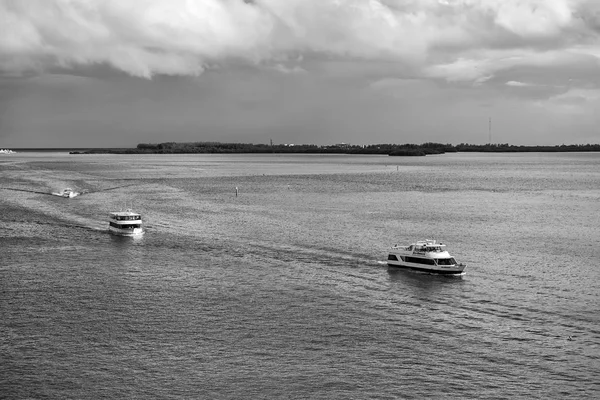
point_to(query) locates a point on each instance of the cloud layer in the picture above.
(456, 40)
(314, 71)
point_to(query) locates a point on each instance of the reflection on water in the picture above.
(126, 241)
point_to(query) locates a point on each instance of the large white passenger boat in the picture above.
(125, 223)
(427, 256)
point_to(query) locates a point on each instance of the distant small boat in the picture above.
(68, 192)
(426, 256)
(125, 223)
(7, 151)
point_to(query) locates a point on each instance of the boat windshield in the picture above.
(446, 261)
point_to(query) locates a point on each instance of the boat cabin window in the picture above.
(446, 261)
(127, 217)
(417, 260)
(124, 226)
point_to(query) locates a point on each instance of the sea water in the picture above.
(265, 276)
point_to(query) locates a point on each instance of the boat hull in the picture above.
(126, 232)
(458, 269)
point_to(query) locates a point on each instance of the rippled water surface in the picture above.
(283, 292)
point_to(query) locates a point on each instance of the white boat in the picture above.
(68, 192)
(7, 151)
(125, 223)
(426, 256)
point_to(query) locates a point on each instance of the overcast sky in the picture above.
(115, 73)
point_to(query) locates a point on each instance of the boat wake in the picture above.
(67, 192)
(27, 190)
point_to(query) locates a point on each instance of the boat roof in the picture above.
(127, 213)
(428, 242)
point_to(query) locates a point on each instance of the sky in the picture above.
(116, 73)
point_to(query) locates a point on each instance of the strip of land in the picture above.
(384, 149)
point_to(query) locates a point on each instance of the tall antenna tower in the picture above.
(490, 130)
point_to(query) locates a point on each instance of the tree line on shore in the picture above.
(385, 149)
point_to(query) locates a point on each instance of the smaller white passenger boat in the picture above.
(67, 192)
(125, 223)
(426, 256)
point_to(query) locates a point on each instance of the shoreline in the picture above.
(401, 150)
